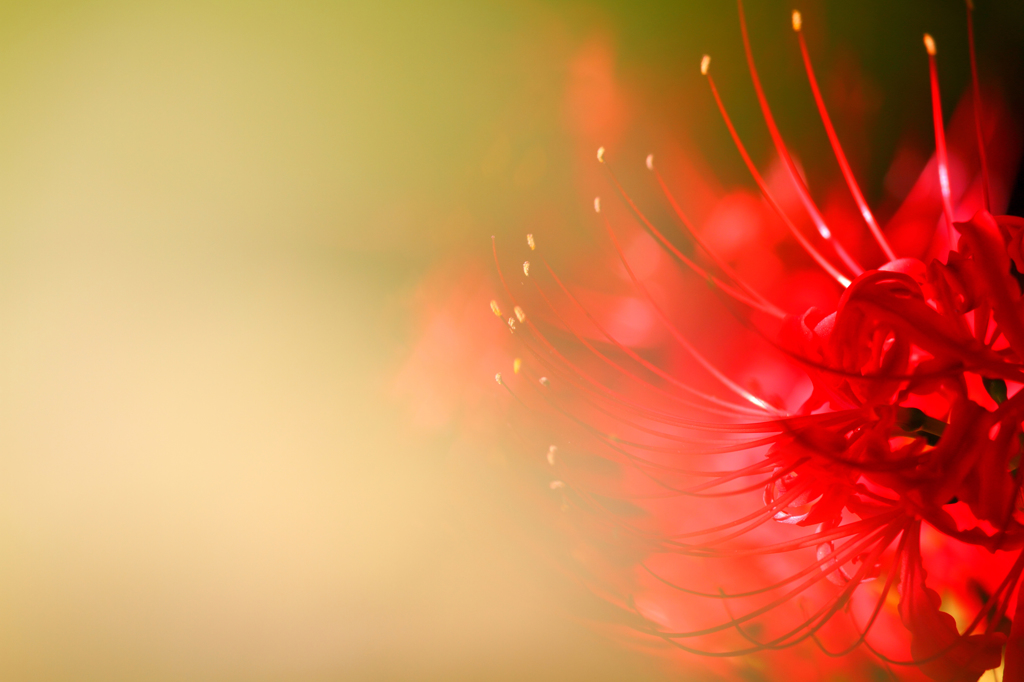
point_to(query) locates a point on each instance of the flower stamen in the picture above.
(978, 120)
(722, 265)
(764, 306)
(787, 159)
(941, 156)
(837, 149)
(839, 277)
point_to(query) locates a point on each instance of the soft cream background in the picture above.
(211, 219)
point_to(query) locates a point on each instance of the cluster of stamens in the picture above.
(845, 483)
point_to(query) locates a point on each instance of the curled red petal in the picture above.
(946, 655)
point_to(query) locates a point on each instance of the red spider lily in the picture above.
(874, 461)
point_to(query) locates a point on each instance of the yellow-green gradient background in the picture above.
(213, 216)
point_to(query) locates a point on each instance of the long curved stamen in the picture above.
(585, 377)
(763, 186)
(722, 265)
(817, 621)
(642, 464)
(714, 371)
(941, 157)
(978, 120)
(886, 535)
(650, 366)
(846, 530)
(837, 149)
(585, 381)
(780, 147)
(664, 375)
(852, 548)
(764, 306)
(877, 610)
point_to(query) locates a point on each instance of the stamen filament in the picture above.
(978, 120)
(837, 149)
(842, 279)
(780, 147)
(629, 351)
(941, 157)
(722, 265)
(765, 307)
(714, 371)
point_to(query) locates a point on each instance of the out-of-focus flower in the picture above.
(819, 470)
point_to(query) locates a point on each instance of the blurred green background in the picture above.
(214, 217)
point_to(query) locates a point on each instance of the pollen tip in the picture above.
(495, 309)
(511, 324)
(798, 22)
(556, 485)
(929, 44)
(544, 381)
(517, 364)
(597, 204)
(552, 449)
(529, 242)
(705, 62)
(520, 315)
(600, 154)
(526, 268)
(497, 377)
(650, 162)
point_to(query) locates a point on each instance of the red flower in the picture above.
(839, 482)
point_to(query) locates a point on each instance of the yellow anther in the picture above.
(600, 154)
(520, 315)
(798, 22)
(517, 364)
(526, 268)
(705, 62)
(529, 241)
(929, 44)
(495, 309)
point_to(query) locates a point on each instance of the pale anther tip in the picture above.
(705, 62)
(556, 485)
(929, 44)
(495, 309)
(520, 314)
(544, 381)
(497, 377)
(650, 162)
(597, 204)
(798, 22)
(529, 241)
(600, 154)
(526, 268)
